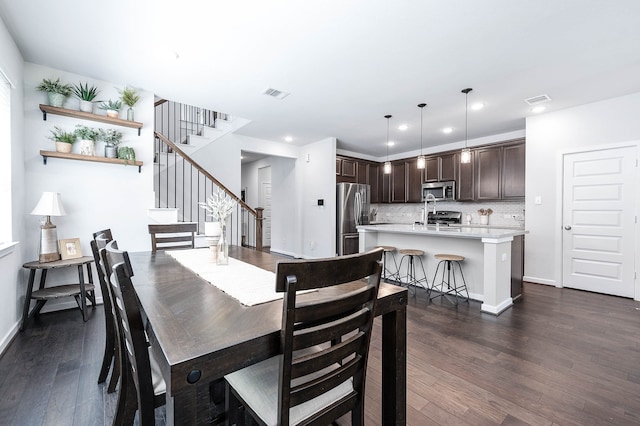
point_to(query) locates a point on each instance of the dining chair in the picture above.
(142, 386)
(324, 341)
(111, 346)
(172, 236)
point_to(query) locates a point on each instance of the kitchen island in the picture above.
(487, 252)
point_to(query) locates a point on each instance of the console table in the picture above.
(80, 291)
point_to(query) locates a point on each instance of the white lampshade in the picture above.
(50, 204)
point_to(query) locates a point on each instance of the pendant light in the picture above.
(421, 160)
(465, 155)
(387, 164)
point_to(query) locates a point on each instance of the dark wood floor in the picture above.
(559, 357)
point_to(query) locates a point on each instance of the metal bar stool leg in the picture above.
(453, 289)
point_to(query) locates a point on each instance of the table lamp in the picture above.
(50, 204)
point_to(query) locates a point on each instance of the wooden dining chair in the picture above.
(111, 347)
(320, 375)
(142, 386)
(172, 236)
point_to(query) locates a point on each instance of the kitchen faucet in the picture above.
(426, 206)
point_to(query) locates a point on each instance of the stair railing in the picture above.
(180, 182)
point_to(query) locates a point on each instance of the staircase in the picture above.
(180, 183)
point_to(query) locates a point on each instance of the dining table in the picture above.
(198, 333)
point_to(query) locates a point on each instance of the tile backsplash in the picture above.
(503, 212)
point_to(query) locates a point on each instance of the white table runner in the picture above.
(246, 283)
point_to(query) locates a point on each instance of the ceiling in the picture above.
(346, 64)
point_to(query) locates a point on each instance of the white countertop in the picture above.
(456, 231)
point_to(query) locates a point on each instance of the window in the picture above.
(5, 160)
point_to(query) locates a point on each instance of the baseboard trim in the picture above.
(539, 281)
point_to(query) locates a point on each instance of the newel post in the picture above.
(259, 219)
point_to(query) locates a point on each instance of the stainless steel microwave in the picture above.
(442, 191)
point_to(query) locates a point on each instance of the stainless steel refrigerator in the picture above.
(352, 209)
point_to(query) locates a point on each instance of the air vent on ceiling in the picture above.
(274, 93)
(538, 99)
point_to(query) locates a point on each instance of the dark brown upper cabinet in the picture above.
(513, 171)
(414, 181)
(488, 173)
(466, 181)
(440, 168)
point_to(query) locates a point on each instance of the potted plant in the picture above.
(55, 90)
(112, 108)
(64, 140)
(129, 97)
(127, 154)
(86, 94)
(88, 137)
(111, 139)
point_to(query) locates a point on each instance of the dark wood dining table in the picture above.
(199, 333)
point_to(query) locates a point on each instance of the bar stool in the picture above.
(386, 268)
(411, 279)
(447, 261)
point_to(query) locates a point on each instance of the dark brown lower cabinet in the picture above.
(517, 266)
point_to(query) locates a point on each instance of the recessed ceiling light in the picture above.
(288, 138)
(241, 157)
(477, 106)
(538, 109)
(447, 130)
(403, 127)
(391, 143)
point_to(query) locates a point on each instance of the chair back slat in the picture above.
(325, 338)
(172, 236)
(131, 328)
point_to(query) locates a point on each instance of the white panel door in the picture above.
(265, 202)
(599, 221)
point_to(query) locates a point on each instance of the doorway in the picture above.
(264, 178)
(598, 221)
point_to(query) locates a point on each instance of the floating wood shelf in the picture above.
(93, 158)
(88, 116)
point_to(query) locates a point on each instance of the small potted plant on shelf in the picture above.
(127, 154)
(86, 94)
(484, 216)
(88, 137)
(112, 108)
(55, 90)
(129, 97)
(64, 140)
(111, 138)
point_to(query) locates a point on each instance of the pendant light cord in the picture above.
(466, 114)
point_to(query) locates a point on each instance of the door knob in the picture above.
(568, 228)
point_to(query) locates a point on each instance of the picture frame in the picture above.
(70, 248)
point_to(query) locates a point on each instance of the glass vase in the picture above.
(130, 114)
(222, 257)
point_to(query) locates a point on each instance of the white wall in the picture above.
(549, 136)
(317, 165)
(13, 278)
(95, 195)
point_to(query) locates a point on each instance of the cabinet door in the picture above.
(488, 162)
(414, 181)
(362, 172)
(432, 169)
(466, 183)
(338, 166)
(373, 172)
(386, 188)
(513, 176)
(448, 167)
(348, 168)
(398, 182)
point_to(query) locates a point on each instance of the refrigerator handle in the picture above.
(357, 207)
